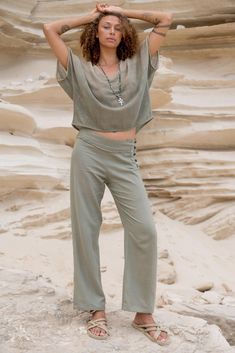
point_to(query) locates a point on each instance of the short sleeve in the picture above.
(65, 77)
(152, 61)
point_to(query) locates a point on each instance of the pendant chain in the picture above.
(118, 93)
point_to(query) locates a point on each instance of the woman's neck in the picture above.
(108, 57)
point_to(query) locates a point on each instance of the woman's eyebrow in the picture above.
(109, 23)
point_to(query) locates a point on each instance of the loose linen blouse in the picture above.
(95, 106)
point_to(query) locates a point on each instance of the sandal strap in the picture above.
(99, 320)
(99, 323)
(153, 327)
(92, 311)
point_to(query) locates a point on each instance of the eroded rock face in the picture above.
(187, 153)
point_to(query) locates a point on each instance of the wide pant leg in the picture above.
(140, 240)
(86, 192)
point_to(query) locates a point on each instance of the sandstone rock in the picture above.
(16, 83)
(169, 298)
(221, 315)
(166, 273)
(16, 283)
(211, 297)
(222, 225)
(228, 300)
(16, 118)
(227, 288)
(164, 254)
(203, 287)
(29, 80)
(180, 27)
(43, 76)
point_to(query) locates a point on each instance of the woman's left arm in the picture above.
(160, 20)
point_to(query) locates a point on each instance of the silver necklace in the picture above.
(118, 93)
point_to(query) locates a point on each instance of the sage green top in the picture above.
(95, 105)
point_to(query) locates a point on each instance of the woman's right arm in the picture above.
(53, 31)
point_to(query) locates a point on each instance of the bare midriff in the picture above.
(119, 135)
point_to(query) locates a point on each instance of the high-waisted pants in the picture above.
(98, 161)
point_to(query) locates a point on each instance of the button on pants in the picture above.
(98, 161)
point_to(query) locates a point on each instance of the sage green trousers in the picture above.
(98, 161)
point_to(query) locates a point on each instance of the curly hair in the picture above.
(90, 43)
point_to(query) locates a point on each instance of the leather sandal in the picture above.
(147, 328)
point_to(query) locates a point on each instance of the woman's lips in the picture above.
(111, 39)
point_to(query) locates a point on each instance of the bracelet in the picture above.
(161, 26)
(160, 33)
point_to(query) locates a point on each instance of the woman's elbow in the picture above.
(46, 28)
(169, 17)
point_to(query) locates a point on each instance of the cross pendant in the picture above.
(121, 101)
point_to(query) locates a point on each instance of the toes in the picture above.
(162, 337)
(97, 332)
(102, 332)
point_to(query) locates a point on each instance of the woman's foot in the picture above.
(157, 336)
(94, 328)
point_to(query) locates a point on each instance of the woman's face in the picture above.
(109, 31)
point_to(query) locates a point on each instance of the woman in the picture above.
(109, 85)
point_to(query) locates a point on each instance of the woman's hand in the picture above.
(94, 14)
(103, 7)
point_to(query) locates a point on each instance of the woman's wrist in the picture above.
(92, 16)
(103, 8)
